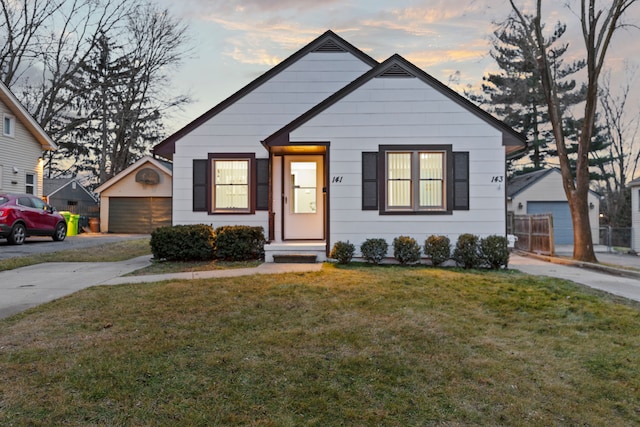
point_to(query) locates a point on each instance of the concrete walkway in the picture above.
(36, 284)
(30, 286)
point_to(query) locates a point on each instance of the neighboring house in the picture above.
(541, 192)
(331, 145)
(22, 142)
(138, 199)
(68, 194)
(635, 214)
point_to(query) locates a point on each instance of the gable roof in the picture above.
(27, 120)
(163, 166)
(327, 42)
(519, 183)
(397, 66)
(634, 183)
(51, 186)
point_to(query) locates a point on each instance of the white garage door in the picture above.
(562, 225)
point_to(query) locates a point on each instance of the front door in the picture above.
(303, 198)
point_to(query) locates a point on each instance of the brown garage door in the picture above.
(138, 215)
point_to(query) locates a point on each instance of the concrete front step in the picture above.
(295, 252)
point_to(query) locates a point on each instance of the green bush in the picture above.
(183, 243)
(494, 251)
(343, 252)
(374, 250)
(406, 250)
(239, 243)
(467, 251)
(438, 248)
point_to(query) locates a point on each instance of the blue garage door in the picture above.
(562, 225)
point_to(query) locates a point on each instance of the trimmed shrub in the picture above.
(343, 252)
(239, 243)
(467, 251)
(494, 251)
(406, 250)
(374, 250)
(183, 243)
(438, 248)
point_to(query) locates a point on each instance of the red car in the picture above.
(24, 215)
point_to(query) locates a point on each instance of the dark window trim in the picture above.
(251, 157)
(382, 179)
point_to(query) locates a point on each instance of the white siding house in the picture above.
(331, 145)
(541, 192)
(22, 142)
(635, 214)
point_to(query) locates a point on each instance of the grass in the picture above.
(109, 252)
(121, 251)
(359, 345)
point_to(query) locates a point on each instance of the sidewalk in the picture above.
(27, 287)
(30, 286)
(612, 278)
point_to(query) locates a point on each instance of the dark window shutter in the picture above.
(262, 184)
(461, 181)
(369, 181)
(200, 185)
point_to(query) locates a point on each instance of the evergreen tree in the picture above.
(515, 93)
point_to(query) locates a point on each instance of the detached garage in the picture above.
(137, 200)
(541, 192)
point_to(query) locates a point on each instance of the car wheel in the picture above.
(18, 234)
(61, 232)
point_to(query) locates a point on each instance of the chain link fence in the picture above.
(616, 237)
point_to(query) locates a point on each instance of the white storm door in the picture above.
(303, 199)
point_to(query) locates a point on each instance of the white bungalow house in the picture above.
(331, 145)
(541, 192)
(22, 141)
(635, 214)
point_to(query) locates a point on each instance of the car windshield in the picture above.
(3, 200)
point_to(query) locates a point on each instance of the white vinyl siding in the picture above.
(21, 152)
(406, 112)
(243, 125)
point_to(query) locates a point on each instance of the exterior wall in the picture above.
(23, 152)
(128, 187)
(86, 205)
(406, 111)
(635, 218)
(242, 126)
(549, 189)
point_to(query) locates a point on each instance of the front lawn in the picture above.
(366, 346)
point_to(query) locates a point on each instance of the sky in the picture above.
(235, 41)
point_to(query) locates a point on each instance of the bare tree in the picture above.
(598, 24)
(82, 65)
(621, 129)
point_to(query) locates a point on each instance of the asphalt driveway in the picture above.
(41, 245)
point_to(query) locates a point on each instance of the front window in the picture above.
(231, 185)
(30, 184)
(415, 180)
(8, 125)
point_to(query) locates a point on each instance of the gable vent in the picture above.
(329, 46)
(395, 71)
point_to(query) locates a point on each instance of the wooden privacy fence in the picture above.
(535, 233)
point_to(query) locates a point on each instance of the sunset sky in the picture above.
(235, 41)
